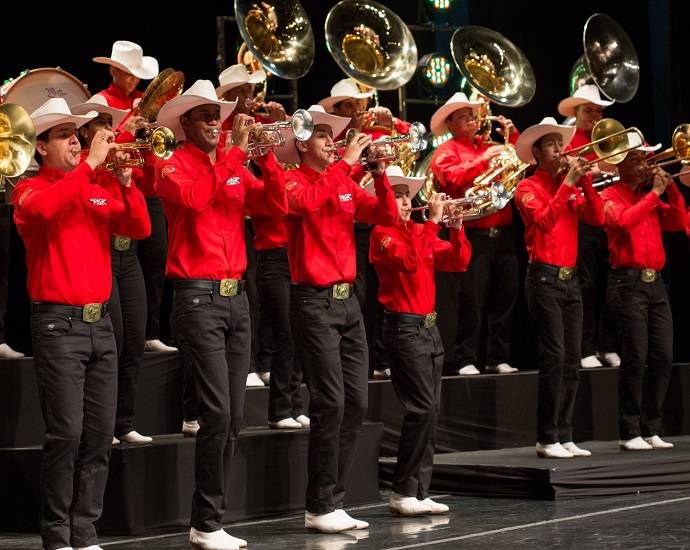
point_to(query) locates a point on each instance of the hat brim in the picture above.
(169, 114)
(523, 146)
(147, 71)
(328, 102)
(438, 120)
(288, 153)
(567, 106)
(86, 107)
(256, 77)
(48, 121)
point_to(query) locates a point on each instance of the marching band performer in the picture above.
(550, 204)
(637, 296)
(205, 191)
(66, 220)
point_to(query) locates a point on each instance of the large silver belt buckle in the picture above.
(229, 287)
(648, 275)
(341, 291)
(430, 320)
(121, 243)
(91, 313)
(565, 273)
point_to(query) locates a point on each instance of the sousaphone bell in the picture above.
(17, 145)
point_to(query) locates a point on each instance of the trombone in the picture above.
(611, 142)
(680, 149)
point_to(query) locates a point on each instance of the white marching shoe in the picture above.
(304, 420)
(553, 450)
(253, 381)
(217, 540)
(590, 362)
(6, 352)
(612, 359)
(190, 428)
(572, 448)
(501, 368)
(436, 507)
(635, 444)
(333, 522)
(265, 377)
(134, 437)
(157, 345)
(92, 547)
(285, 424)
(468, 370)
(383, 374)
(359, 524)
(657, 443)
(400, 505)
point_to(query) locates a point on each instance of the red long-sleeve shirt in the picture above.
(634, 222)
(270, 232)
(205, 205)
(406, 256)
(320, 222)
(550, 211)
(66, 221)
(456, 164)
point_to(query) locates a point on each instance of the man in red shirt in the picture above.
(205, 191)
(489, 287)
(406, 256)
(598, 333)
(635, 218)
(66, 219)
(327, 325)
(551, 204)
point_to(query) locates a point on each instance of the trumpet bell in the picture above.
(371, 44)
(418, 136)
(302, 124)
(165, 86)
(17, 140)
(163, 142)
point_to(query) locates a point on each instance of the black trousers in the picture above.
(76, 369)
(645, 327)
(213, 336)
(252, 292)
(598, 333)
(127, 305)
(331, 344)
(555, 310)
(153, 252)
(273, 283)
(415, 356)
(487, 290)
(5, 222)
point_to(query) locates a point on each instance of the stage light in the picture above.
(436, 69)
(439, 5)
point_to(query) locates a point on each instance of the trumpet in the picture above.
(468, 208)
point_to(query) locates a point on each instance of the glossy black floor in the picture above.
(640, 521)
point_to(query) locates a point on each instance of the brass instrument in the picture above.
(166, 86)
(610, 142)
(679, 150)
(467, 208)
(17, 145)
(387, 149)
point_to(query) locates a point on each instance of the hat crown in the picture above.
(234, 73)
(97, 99)
(202, 88)
(128, 53)
(395, 171)
(346, 87)
(54, 106)
(588, 91)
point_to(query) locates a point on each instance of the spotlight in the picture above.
(436, 69)
(438, 5)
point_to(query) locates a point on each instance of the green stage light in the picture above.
(440, 5)
(436, 69)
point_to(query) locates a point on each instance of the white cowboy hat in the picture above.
(202, 92)
(98, 103)
(458, 101)
(236, 75)
(345, 89)
(588, 93)
(548, 125)
(397, 177)
(288, 153)
(56, 111)
(129, 57)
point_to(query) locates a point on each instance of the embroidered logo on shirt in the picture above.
(528, 197)
(24, 194)
(346, 197)
(385, 242)
(233, 181)
(289, 185)
(607, 205)
(166, 170)
(99, 202)
(572, 197)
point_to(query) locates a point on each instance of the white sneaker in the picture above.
(384, 374)
(67, 548)
(265, 377)
(190, 428)
(468, 369)
(572, 448)
(400, 505)
(436, 507)
(359, 524)
(332, 522)
(502, 368)
(590, 362)
(304, 420)
(635, 444)
(157, 345)
(92, 547)
(6, 352)
(135, 438)
(116, 441)
(217, 540)
(612, 359)
(285, 424)
(553, 450)
(657, 443)
(253, 381)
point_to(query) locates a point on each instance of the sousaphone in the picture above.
(167, 85)
(17, 145)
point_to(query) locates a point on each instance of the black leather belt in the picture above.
(644, 275)
(339, 291)
(88, 313)
(561, 273)
(394, 318)
(494, 231)
(120, 243)
(224, 287)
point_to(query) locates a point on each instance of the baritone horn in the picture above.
(17, 145)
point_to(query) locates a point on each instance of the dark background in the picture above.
(185, 37)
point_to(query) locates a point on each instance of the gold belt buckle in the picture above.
(229, 287)
(648, 275)
(91, 313)
(430, 320)
(565, 273)
(341, 291)
(494, 231)
(122, 243)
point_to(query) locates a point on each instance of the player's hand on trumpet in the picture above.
(578, 167)
(436, 207)
(357, 144)
(507, 126)
(101, 144)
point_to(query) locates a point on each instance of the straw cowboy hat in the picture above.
(345, 89)
(56, 111)
(98, 103)
(202, 92)
(397, 177)
(237, 75)
(548, 125)
(288, 153)
(588, 93)
(458, 101)
(129, 57)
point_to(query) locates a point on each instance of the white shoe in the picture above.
(265, 377)
(612, 359)
(502, 368)
(657, 443)
(253, 381)
(67, 548)
(217, 540)
(6, 352)
(553, 450)
(590, 362)
(116, 441)
(572, 448)
(635, 444)
(304, 420)
(157, 345)
(333, 522)
(359, 524)
(384, 374)
(436, 507)
(285, 424)
(135, 438)
(190, 428)
(468, 369)
(400, 505)
(92, 547)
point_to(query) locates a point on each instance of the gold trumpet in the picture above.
(386, 149)
(467, 208)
